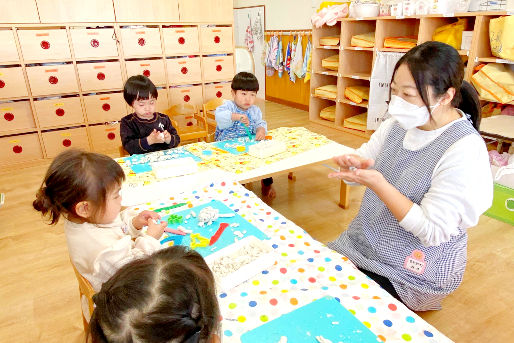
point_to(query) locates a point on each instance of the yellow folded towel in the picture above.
(328, 113)
(358, 122)
(330, 40)
(328, 91)
(365, 40)
(401, 42)
(331, 62)
(357, 93)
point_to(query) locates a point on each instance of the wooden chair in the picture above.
(86, 292)
(208, 113)
(186, 129)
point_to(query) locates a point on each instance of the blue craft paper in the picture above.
(226, 238)
(315, 319)
(141, 168)
(243, 141)
(176, 153)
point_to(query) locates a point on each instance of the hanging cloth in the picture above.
(249, 36)
(264, 54)
(280, 57)
(292, 76)
(257, 30)
(307, 62)
(298, 58)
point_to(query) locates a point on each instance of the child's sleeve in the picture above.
(257, 120)
(175, 138)
(223, 115)
(130, 141)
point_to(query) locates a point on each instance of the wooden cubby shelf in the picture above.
(355, 63)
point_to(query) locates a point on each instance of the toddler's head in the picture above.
(244, 89)
(166, 297)
(82, 186)
(140, 93)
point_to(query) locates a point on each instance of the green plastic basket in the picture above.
(503, 204)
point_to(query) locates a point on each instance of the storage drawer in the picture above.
(141, 42)
(98, 76)
(162, 100)
(57, 141)
(16, 115)
(9, 52)
(94, 43)
(103, 108)
(216, 39)
(153, 69)
(218, 90)
(22, 148)
(218, 68)
(12, 83)
(182, 40)
(62, 111)
(186, 95)
(56, 79)
(105, 137)
(184, 70)
(42, 45)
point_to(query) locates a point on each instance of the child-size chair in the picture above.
(208, 113)
(86, 292)
(183, 117)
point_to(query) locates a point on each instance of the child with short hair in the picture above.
(233, 118)
(145, 130)
(84, 188)
(166, 297)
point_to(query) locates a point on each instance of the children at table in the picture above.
(428, 180)
(84, 188)
(145, 130)
(235, 117)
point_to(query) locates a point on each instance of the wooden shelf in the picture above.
(359, 76)
(393, 50)
(324, 72)
(323, 97)
(364, 103)
(357, 48)
(62, 60)
(328, 47)
(97, 59)
(63, 126)
(17, 131)
(463, 52)
(458, 14)
(359, 133)
(494, 60)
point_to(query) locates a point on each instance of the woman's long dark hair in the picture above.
(439, 65)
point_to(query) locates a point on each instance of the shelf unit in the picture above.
(355, 63)
(61, 84)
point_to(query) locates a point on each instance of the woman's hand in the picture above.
(351, 160)
(354, 168)
(144, 218)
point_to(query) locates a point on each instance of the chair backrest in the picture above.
(212, 104)
(86, 292)
(181, 110)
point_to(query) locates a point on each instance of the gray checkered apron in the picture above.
(376, 242)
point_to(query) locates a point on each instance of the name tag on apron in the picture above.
(415, 262)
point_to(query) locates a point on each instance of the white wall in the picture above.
(285, 14)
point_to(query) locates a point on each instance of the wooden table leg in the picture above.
(344, 195)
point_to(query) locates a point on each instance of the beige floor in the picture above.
(38, 291)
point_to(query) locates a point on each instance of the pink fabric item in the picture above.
(508, 110)
(497, 159)
(329, 15)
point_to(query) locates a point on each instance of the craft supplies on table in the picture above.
(305, 271)
(267, 148)
(174, 167)
(236, 146)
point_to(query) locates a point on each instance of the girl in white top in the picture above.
(428, 180)
(85, 188)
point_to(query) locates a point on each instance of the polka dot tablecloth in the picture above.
(306, 270)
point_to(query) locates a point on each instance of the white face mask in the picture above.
(409, 115)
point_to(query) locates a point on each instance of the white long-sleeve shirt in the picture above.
(461, 189)
(98, 251)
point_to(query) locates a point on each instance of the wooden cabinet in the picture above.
(153, 69)
(9, 52)
(21, 148)
(60, 140)
(43, 45)
(217, 68)
(100, 76)
(59, 112)
(55, 11)
(216, 39)
(16, 115)
(146, 11)
(12, 83)
(180, 40)
(52, 79)
(184, 70)
(94, 43)
(208, 11)
(192, 95)
(144, 41)
(162, 100)
(105, 137)
(218, 90)
(103, 108)
(18, 11)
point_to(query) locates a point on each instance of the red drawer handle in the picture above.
(2, 84)
(45, 44)
(95, 43)
(219, 67)
(111, 135)
(106, 107)
(66, 142)
(53, 80)
(187, 98)
(181, 40)
(100, 76)
(141, 41)
(184, 70)
(9, 116)
(219, 94)
(17, 149)
(59, 112)
(146, 73)
(217, 39)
